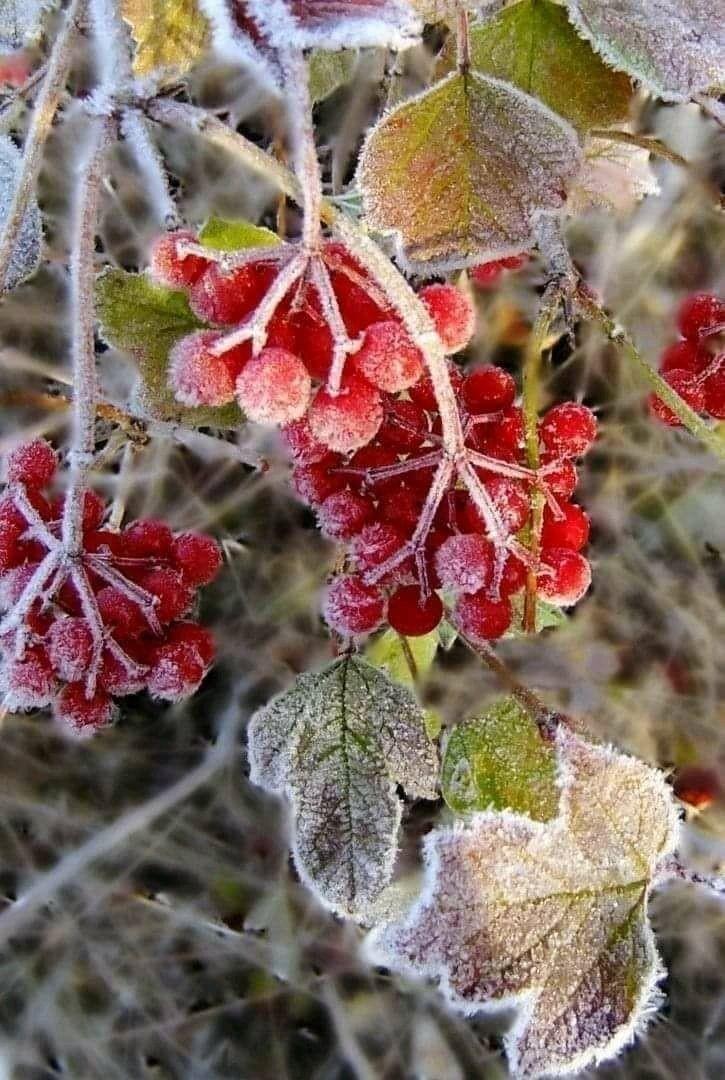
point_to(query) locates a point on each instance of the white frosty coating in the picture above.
(675, 48)
(336, 24)
(26, 256)
(20, 21)
(336, 744)
(548, 917)
(614, 176)
(236, 47)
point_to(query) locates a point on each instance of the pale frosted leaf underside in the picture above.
(550, 917)
(169, 35)
(26, 256)
(676, 48)
(336, 744)
(533, 45)
(20, 21)
(614, 176)
(461, 173)
(334, 24)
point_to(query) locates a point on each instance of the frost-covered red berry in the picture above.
(486, 274)
(274, 387)
(482, 618)
(150, 536)
(119, 611)
(697, 785)
(376, 543)
(33, 464)
(173, 596)
(488, 389)
(452, 313)
(344, 513)
(169, 266)
(690, 389)
(714, 391)
(569, 530)
(352, 607)
(348, 420)
(226, 298)
(405, 426)
(197, 556)
(27, 682)
(568, 430)
(82, 714)
(176, 671)
(412, 614)
(191, 633)
(465, 562)
(388, 358)
(316, 481)
(301, 444)
(684, 356)
(70, 648)
(118, 678)
(198, 376)
(569, 578)
(699, 315)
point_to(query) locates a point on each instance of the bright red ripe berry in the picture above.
(33, 464)
(422, 392)
(190, 633)
(357, 299)
(513, 577)
(562, 480)
(318, 480)
(196, 375)
(568, 430)
(302, 445)
(453, 315)
(405, 426)
(507, 433)
(172, 269)
(176, 671)
(684, 356)
(714, 390)
(173, 596)
(510, 499)
(388, 358)
(359, 469)
(570, 578)
(227, 298)
(197, 557)
(352, 607)
(690, 389)
(350, 419)
(117, 678)
(401, 507)
(121, 612)
(697, 785)
(70, 648)
(700, 315)
(81, 714)
(274, 387)
(376, 543)
(570, 531)
(488, 389)
(148, 537)
(481, 618)
(28, 682)
(344, 513)
(486, 274)
(464, 562)
(411, 614)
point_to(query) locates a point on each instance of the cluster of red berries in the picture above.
(81, 630)
(694, 366)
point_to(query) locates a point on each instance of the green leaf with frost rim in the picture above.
(219, 234)
(328, 71)
(499, 761)
(145, 320)
(461, 173)
(336, 744)
(675, 48)
(548, 917)
(533, 45)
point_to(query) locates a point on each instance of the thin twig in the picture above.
(463, 39)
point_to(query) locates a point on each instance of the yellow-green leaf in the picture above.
(388, 651)
(145, 320)
(169, 35)
(461, 173)
(330, 70)
(499, 761)
(533, 45)
(221, 235)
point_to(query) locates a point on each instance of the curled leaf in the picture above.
(549, 917)
(461, 173)
(26, 256)
(221, 235)
(334, 24)
(336, 744)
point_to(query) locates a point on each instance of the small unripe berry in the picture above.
(481, 618)
(196, 375)
(350, 419)
(274, 387)
(352, 607)
(33, 464)
(464, 562)
(388, 358)
(700, 315)
(568, 430)
(169, 267)
(570, 578)
(411, 614)
(453, 315)
(488, 389)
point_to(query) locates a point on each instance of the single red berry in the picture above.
(350, 419)
(562, 479)
(488, 389)
(684, 356)
(119, 679)
(344, 513)
(507, 433)
(83, 715)
(568, 430)
(94, 510)
(28, 682)
(33, 464)
(513, 577)
(169, 266)
(227, 298)
(510, 499)
(400, 507)
(119, 612)
(699, 315)
(105, 542)
(150, 536)
(190, 633)
(352, 607)
(176, 671)
(274, 387)
(375, 544)
(405, 426)
(412, 614)
(569, 531)
(198, 376)
(360, 469)
(302, 445)
(197, 557)
(318, 480)
(70, 648)
(569, 578)
(697, 785)
(464, 562)
(714, 390)
(481, 618)
(388, 358)
(423, 394)
(359, 301)
(690, 389)
(172, 593)
(312, 336)
(453, 315)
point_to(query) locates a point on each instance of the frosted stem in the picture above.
(134, 128)
(302, 141)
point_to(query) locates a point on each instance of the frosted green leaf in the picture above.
(328, 71)
(388, 651)
(20, 21)
(336, 745)
(675, 48)
(533, 45)
(26, 256)
(145, 320)
(169, 35)
(221, 235)
(461, 173)
(549, 917)
(499, 761)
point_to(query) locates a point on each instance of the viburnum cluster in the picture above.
(694, 366)
(83, 628)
